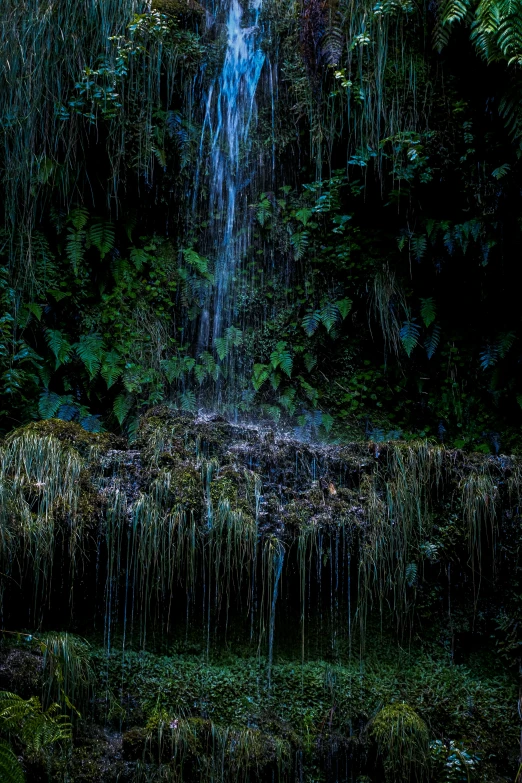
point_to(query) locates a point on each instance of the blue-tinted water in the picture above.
(230, 113)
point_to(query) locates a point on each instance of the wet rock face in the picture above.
(21, 672)
(198, 510)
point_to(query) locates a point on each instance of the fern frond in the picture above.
(264, 211)
(90, 350)
(101, 235)
(48, 404)
(74, 248)
(332, 45)
(260, 374)
(282, 358)
(10, 769)
(409, 335)
(310, 322)
(299, 242)
(59, 345)
(428, 310)
(329, 315)
(344, 306)
(111, 368)
(121, 407)
(188, 402)
(489, 356)
(78, 218)
(432, 341)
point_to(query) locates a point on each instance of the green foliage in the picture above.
(282, 358)
(299, 242)
(402, 738)
(121, 407)
(90, 349)
(67, 672)
(428, 311)
(453, 763)
(10, 769)
(409, 335)
(37, 729)
(101, 235)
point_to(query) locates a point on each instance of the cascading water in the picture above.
(230, 112)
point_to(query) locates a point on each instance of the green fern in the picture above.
(111, 368)
(264, 211)
(282, 358)
(299, 242)
(222, 347)
(59, 345)
(329, 315)
(304, 215)
(488, 356)
(311, 321)
(121, 407)
(310, 361)
(505, 342)
(432, 341)
(48, 404)
(27, 720)
(139, 257)
(428, 310)
(409, 335)
(188, 402)
(101, 235)
(75, 248)
(90, 350)
(10, 769)
(78, 218)
(261, 373)
(344, 306)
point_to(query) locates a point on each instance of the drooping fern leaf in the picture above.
(505, 342)
(261, 374)
(221, 344)
(10, 769)
(304, 215)
(59, 345)
(311, 321)
(264, 211)
(488, 356)
(74, 248)
(409, 335)
(121, 407)
(282, 358)
(48, 404)
(188, 401)
(101, 235)
(410, 574)
(329, 315)
(428, 310)
(432, 341)
(78, 218)
(299, 242)
(90, 350)
(111, 368)
(344, 306)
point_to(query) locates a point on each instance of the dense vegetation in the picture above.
(375, 305)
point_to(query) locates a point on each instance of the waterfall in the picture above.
(230, 112)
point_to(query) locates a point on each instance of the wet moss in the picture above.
(179, 7)
(72, 434)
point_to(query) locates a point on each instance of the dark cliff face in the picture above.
(285, 592)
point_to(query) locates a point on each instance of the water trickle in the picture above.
(230, 112)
